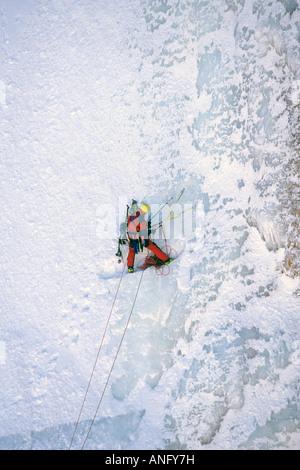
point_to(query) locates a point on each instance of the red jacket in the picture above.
(137, 226)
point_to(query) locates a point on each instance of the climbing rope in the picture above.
(113, 364)
(97, 357)
(151, 262)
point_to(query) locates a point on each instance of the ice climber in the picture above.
(137, 230)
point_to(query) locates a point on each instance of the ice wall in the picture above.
(103, 100)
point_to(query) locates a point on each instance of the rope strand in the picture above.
(97, 357)
(113, 364)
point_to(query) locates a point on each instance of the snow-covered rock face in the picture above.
(102, 102)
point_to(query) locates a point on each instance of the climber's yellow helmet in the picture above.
(145, 208)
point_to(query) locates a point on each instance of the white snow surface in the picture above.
(108, 100)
